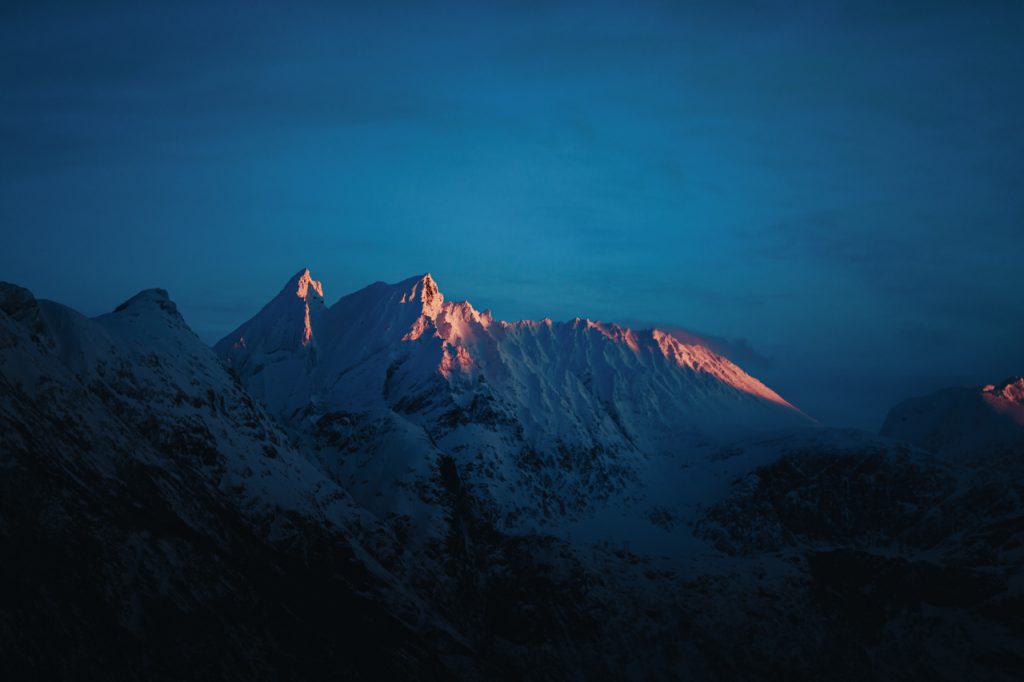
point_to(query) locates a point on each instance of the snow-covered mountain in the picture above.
(962, 419)
(156, 524)
(550, 418)
(404, 346)
(398, 486)
(159, 377)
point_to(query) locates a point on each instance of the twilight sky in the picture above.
(835, 193)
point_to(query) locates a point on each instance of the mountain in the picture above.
(398, 486)
(278, 345)
(547, 419)
(962, 419)
(155, 522)
(406, 340)
(161, 525)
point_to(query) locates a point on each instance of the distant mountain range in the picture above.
(401, 486)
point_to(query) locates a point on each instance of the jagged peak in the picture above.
(424, 282)
(1011, 389)
(302, 285)
(422, 289)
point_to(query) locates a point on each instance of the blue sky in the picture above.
(832, 191)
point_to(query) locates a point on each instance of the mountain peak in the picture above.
(1010, 389)
(288, 322)
(301, 283)
(422, 289)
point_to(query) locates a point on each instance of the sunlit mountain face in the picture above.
(714, 375)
